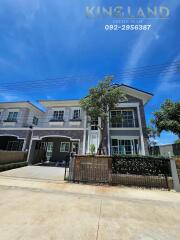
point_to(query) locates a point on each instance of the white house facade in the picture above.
(63, 127)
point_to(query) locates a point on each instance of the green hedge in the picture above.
(141, 165)
(5, 167)
(130, 156)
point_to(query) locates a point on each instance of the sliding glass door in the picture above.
(124, 146)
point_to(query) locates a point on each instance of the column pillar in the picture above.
(141, 132)
(175, 175)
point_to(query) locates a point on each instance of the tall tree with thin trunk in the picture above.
(99, 102)
(152, 134)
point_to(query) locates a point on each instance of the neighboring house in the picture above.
(166, 150)
(16, 121)
(64, 127)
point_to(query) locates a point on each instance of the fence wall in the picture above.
(12, 156)
(12, 159)
(178, 166)
(86, 168)
(135, 171)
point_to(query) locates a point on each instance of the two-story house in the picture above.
(16, 121)
(64, 127)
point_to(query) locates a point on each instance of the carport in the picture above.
(54, 150)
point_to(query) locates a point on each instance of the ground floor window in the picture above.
(14, 145)
(65, 147)
(124, 146)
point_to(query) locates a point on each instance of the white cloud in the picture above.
(167, 83)
(166, 138)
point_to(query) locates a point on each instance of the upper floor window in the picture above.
(12, 117)
(76, 114)
(35, 120)
(122, 118)
(94, 124)
(58, 115)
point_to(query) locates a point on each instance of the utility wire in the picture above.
(163, 68)
(138, 72)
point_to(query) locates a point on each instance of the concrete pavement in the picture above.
(36, 172)
(44, 210)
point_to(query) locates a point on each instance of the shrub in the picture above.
(92, 149)
(141, 165)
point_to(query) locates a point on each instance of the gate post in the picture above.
(110, 170)
(71, 167)
(175, 175)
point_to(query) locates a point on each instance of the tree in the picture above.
(168, 117)
(152, 134)
(99, 102)
(177, 141)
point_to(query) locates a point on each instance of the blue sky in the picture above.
(45, 39)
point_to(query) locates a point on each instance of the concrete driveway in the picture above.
(36, 172)
(46, 210)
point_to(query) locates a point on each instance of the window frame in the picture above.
(35, 120)
(78, 114)
(56, 117)
(94, 123)
(124, 122)
(122, 142)
(64, 150)
(13, 118)
(15, 145)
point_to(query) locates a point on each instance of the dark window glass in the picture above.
(12, 116)
(76, 114)
(94, 123)
(122, 118)
(58, 115)
(35, 120)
